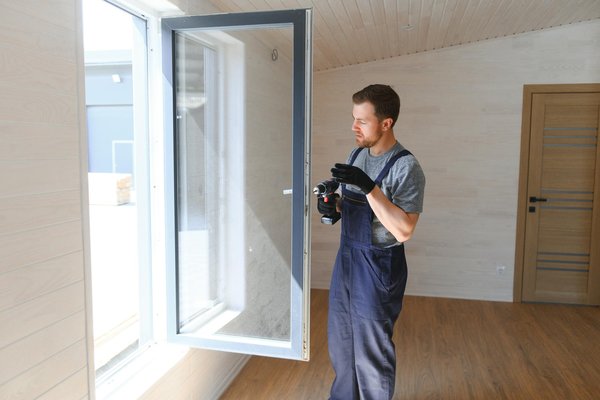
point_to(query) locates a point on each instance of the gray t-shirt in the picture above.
(404, 185)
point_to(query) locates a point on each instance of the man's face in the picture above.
(366, 126)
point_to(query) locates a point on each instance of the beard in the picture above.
(368, 143)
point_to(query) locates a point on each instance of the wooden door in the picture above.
(561, 238)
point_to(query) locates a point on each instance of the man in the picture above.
(382, 196)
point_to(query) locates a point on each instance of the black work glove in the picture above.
(326, 205)
(352, 175)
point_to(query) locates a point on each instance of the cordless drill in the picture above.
(326, 191)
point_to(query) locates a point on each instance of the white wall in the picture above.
(42, 293)
(461, 116)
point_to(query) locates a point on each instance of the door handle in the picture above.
(534, 199)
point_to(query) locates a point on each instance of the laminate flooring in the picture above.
(455, 350)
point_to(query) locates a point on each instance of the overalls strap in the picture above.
(389, 165)
(355, 154)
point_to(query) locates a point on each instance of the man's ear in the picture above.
(387, 124)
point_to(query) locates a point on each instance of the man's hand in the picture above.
(352, 175)
(327, 205)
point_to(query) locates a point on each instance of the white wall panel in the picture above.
(42, 318)
(38, 245)
(40, 345)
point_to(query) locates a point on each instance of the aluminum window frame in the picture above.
(301, 21)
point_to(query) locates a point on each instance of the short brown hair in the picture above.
(384, 99)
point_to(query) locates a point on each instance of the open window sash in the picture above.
(237, 128)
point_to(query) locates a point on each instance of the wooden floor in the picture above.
(454, 350)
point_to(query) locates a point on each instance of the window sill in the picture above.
(141, 372)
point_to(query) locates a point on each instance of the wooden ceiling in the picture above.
(348, 32)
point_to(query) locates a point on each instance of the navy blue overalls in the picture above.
(365, 298)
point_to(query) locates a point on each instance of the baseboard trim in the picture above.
(233, 373)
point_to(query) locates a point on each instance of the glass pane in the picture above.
(234, 106)
(115, 86)
(196, 145)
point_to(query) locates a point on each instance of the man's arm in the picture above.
(400, 223)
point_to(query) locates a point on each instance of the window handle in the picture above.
(534, 199)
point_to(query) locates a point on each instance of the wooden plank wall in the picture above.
(42, 301)
(461, 116)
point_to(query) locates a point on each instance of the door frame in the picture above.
(528, 92)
